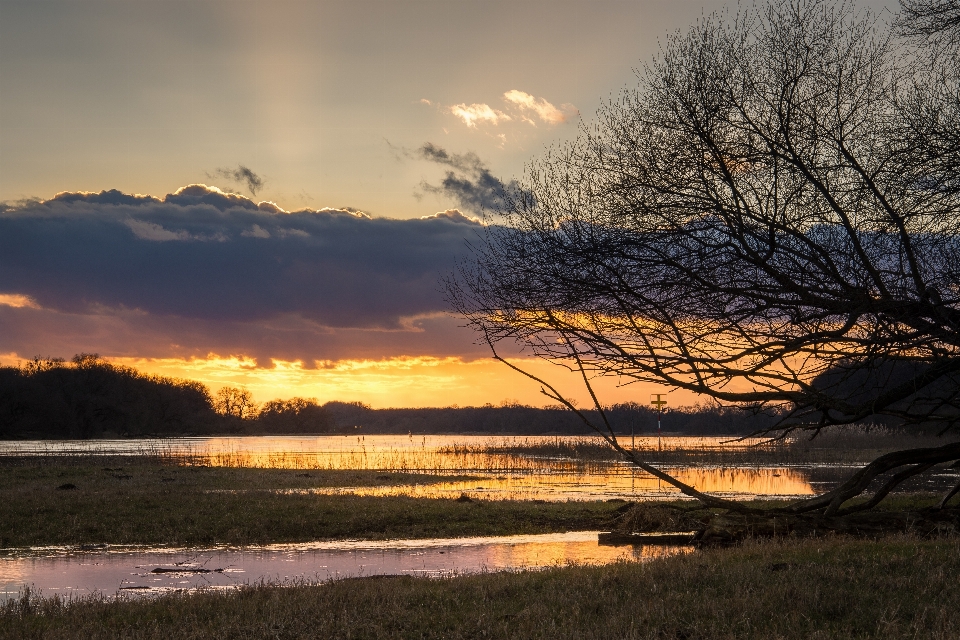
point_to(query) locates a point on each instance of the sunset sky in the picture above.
(266, 194)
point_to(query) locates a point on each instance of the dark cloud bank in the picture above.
(468, 181)
(201, 261)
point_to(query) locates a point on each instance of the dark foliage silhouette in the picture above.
(90, 398)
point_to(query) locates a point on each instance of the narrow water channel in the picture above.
(129, 571)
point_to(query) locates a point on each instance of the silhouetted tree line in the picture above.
(241, 414)
(91, 398)
(88, 397)
(523, 420)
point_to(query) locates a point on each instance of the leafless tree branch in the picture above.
(771, 218)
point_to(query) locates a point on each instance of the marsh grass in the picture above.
(410, 461)
(898, 587)
(133, 500)
(505, 455)
(847, 445)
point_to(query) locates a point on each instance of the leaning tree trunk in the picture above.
(820, 514)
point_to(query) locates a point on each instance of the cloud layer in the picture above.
(203, 269)
(468, 181)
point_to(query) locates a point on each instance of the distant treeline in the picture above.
(88, 397)
(524, 420)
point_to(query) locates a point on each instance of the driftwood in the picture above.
(614, 538)
(185, 570)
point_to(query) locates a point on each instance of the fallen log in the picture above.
(615, 539)
(185, 570)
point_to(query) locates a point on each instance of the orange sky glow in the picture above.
(229, 198)
(393, 382)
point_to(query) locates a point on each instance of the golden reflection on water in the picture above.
(616, 483)
(69, 572)
(500, 475)
(424, 454)
(404, 453)
(762, 481)
(563, 553)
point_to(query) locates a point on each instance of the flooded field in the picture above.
(72, 572)
(475, 468)
(430, 453)
(495, 474)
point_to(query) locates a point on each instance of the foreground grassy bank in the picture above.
(139, 501)
(899, 587)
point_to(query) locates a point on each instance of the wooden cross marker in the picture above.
(657, 399)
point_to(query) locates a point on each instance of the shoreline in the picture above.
(896, 587)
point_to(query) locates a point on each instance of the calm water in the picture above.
(134, 571)
(123, 571)
(495, 476)
(395, 452)
(492, 476)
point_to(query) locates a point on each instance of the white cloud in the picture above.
(543, 109)
(454, 215)
(349, 211)
(256, 232)
(152, 231)
(269, 207)
(521, 106)
(473, 113)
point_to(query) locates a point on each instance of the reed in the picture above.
(521, 454)
(846, 445)
(412, 460)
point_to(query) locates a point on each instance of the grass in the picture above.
(847, 445)
(899, 587)
(141, 501)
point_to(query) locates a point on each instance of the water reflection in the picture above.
(610, 483)
(123, 571)
(380, 452)
(499, 475)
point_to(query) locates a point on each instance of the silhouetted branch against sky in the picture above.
(937, 21)
(770, 218)
(731, 228)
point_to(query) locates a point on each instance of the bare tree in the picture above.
(771, 219)
(936, 21)
(295, 415)
(235, 402)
